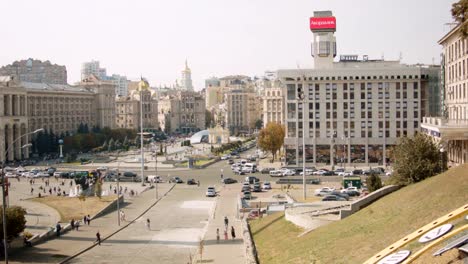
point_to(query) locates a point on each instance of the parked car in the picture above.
(245, 188)
(211, 192)
(266, 186)
(276, 173)
(102, 168)
(20, 169)
(288, 172)
(11, 174)
(257, 187)
(357, 172)
(340, 194)
(57, 174)
(266, 170)
(176, 180)
(42, 174)
(129, 174)
(320, 172)
(308, 172)
(333, 198)
(231, 161)
(323, 191)
(225, 157)
(27, 174)
(345, 173)
(228, 181)
(247, 195)
(191, 182)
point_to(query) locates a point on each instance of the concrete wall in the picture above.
(250, 250)
(366, 200)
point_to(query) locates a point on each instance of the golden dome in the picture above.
(143, 85)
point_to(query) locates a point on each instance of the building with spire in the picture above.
(186, 80)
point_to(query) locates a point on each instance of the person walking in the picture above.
(72, 224)
(58, 228)
(225, 234)
(32, 191)
(77, 224)
(148, 224)
(226, 222)
(89, 219)
(85, 220)
(98, 238)
(217, 235)
(233, 233)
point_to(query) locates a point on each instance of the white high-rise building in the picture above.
(121, 84)
(92, 67)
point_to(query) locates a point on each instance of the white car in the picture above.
(319, 172)
(57, 174)
(351, 188)
(323, 191)
(345, 173)
(225, 157)
(10, 175)
(266, 186)
(42, 174)
(27, 174)
(389, 173)
(20, 169)
(211, 192)
(288, 172)
(276, 173)
(308, 172)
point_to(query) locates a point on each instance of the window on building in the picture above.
(291, 88)
(416, 124)
(363, 114)
(363, 96)
(369, 114)
(363, 133)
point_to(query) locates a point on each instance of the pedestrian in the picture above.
(226, 222)
(225, 234)
(217, 235)
(32, 191)
(198, 183)
(98, 238)
(85, 220)
(77, 225)
(58, 228)
(72, 224)
(148, 223)
(89, 219)
(71, 183)
(233, 233)
(50, 191)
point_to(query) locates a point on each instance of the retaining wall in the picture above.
(250, 250)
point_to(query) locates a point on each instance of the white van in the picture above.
(249, 168)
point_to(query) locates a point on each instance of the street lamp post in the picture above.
(141, 140)
(118, 188)
(442, 150)
(5, 247)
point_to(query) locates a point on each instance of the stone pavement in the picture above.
(226, 251)
(56, 250)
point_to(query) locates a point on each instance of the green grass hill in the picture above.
(360, 236)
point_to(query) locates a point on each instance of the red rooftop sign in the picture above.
(322, 23)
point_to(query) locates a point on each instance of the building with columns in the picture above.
(27, 106)
(350, 111)
(450, 128)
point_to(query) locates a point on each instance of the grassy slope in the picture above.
(358, 237)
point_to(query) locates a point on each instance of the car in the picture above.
(20, 169)
(51, 170)
(320, 172)
(245, 188)
(352, 193)
(239, 172)
(176, 180)
(357, 172)
(191, 182)
(231, 161)
(57, 174)
(236, 156)
(11, 174)
(27, 174)
(266, 170)
(251, 179)
(257, 187)
(129, 174)
(338, 170)
(323, 191)
(333, 198)
(225, 157)
(340, 194)
(153, 178)
(266, 186)
(247, 195)
(308, 172)
(102, 168)
(388, 173)
(42, 174)
(345, 173)
(228, 181)
(64, 174)
(211, 192)
(276, 173)
(288, 172)
(327, 173)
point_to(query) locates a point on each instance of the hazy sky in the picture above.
(153, 37)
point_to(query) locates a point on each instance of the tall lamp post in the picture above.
(5, 247)
(118, 188)
(442, 150)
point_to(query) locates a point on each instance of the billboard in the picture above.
(323, 23)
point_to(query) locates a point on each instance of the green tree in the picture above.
(415, 159)
(460, 14)
(15, 220)
(258, 124)
(271, 138)
(373, 182)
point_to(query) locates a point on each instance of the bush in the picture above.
(373, 182)
(16, 222)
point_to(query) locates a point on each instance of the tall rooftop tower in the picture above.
(323, 25)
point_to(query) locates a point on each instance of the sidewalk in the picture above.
(72, 242)
(226, 251)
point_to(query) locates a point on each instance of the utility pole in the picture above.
(301, 99)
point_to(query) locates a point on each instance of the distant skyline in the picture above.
(218, 38)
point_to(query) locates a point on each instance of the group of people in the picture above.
(226, 226)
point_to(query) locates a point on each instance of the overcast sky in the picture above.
(218, 37)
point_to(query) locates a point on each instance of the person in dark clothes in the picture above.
(58, 228)
(98, 238)
(72, 224)
(233, 233)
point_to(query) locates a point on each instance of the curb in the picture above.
(117, 231)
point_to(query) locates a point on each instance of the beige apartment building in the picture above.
(273, 105)
(183, 112)
(27, 106)
(351, 111)
(128, 110)
(451, 128)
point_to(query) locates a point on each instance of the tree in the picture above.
(373, 182)
(271, 138)
(415, 159)
(15, 220)
(460, 14)
(258, 124)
